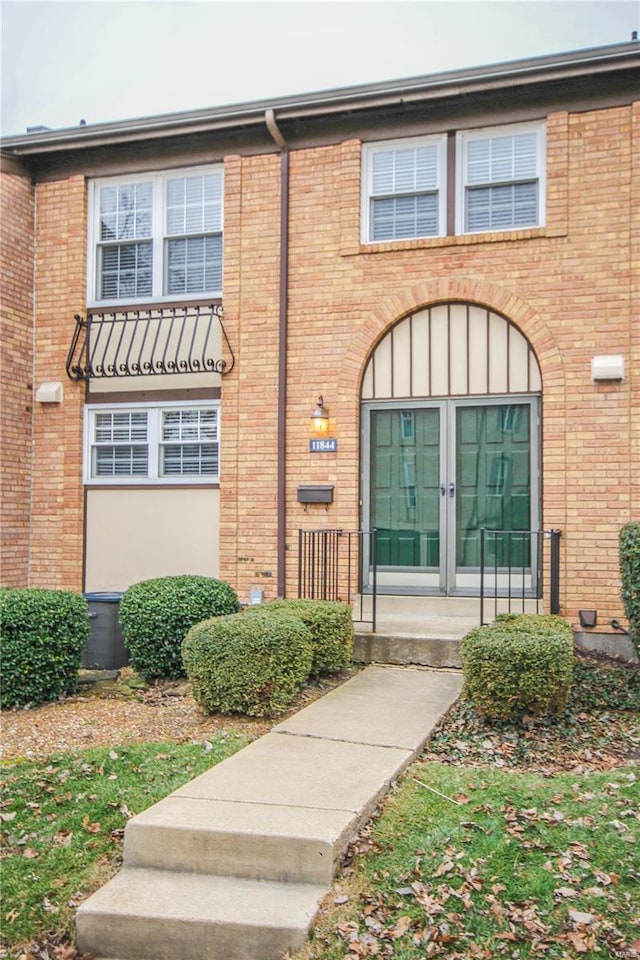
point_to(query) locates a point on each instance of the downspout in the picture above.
(281, 494)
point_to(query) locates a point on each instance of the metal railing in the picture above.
(515, 565)
(144, 342)
(330, 567)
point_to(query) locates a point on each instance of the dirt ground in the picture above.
(114, 712)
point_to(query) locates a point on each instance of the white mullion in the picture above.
(154, 438)
(157, 232)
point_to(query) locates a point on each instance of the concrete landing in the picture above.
(233, 865)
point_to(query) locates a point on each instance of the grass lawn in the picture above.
(482, 863)
(503, 840)
(517, 840)
(63, 822)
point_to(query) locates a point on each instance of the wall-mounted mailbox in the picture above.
(315, 493)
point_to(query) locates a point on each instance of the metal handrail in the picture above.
(535, 570)
(330, 567)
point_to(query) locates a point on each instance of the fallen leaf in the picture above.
(578, 943)
(579, 917)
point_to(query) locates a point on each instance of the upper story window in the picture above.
(500, 178)
(152, 444)
(404, 197)
(156, 236)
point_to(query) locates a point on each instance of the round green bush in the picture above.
(157, 614)
(331, 626)
(518, 665)
(249, 665)
(43, 634)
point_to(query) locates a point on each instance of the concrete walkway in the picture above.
(233, 865)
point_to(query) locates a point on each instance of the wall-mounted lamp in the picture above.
(50, 392)
(607, 368)
(320, 418)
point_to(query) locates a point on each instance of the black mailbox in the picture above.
(315, 493)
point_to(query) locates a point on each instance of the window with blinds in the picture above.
(159, 444)
(156, 237)
(501, 179)
(405, 194)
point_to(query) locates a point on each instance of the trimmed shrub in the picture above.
(43, 633)
(157, 614)
(249, 665)
(331, 626)
(521, 664)
(630, 575)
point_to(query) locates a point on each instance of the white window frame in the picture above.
(464, 137)
(369, 150)
(154, 444)
(159, 236)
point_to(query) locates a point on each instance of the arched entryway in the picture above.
(450, 413)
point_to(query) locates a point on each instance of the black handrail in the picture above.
(331, 567)
(531, 545)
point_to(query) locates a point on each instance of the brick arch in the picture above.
(478, 292)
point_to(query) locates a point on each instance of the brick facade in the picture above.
(60, 293)
(16, 373)
(567, 287)
(571, 287)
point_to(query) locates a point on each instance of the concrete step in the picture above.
(251, 840)
(427, 607)
(163, 915)
(410, 648)
(214, 871)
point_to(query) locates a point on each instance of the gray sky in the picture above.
(105, 60)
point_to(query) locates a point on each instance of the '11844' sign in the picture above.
(326, 445)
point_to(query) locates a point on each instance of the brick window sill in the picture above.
(462, 240)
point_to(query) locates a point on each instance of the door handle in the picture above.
(452, 489)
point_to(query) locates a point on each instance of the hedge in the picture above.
(331, 626)
(629, 542)
(43, 635)
(518, 665)
(157, 614)
(250, 665)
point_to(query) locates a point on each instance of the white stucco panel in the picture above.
(134, 535)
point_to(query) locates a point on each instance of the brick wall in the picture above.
(568, 286)
(60, 285)
(16, 372)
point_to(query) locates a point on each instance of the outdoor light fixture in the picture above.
(320, 418)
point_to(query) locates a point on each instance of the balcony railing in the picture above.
(142, 343)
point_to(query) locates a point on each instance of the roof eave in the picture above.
(348, 99)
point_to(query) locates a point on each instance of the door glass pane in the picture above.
(493, 474)
(405, 486)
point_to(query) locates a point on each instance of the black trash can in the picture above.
(105, 649)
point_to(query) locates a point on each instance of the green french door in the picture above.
(436, 473)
